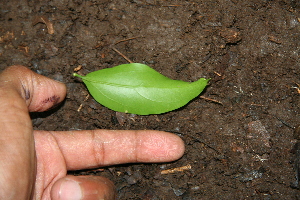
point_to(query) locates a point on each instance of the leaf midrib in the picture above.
(133, 86)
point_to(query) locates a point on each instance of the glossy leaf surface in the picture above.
(138, 89)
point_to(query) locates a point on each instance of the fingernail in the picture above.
(70, 190)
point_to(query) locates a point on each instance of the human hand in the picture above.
(34, 164)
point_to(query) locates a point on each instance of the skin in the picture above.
(34, 164)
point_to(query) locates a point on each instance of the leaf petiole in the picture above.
(77, 75)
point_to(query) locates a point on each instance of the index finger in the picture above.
(96, 148)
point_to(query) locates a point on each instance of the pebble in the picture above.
(256, 130)
(58, 77)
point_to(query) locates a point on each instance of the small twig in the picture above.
(25, 49)
(256, 104)
(209, 99)
(116, 50)
(163, 5)
(297, 84)
(81, 105)
(125, 40)
(218, 74)
(284, 122)
(178, 169)
(171, 6)
(297, 88)
(79, 108)
(198, 140)
(125, 57)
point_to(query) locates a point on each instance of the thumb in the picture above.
(21, 90)
(39, 92)
(83, 187)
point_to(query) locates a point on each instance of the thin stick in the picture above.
(125, 57)
(217, 73)
(209, 99)
(283, 122)
(81, 105)
(171, 6)
(126, 40)
(178, 169)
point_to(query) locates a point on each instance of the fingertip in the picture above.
(83, 187)
(161, 147)
(179, 147)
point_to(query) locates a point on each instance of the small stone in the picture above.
(230, 35)
(257, 131)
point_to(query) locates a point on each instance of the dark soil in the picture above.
(237, 148)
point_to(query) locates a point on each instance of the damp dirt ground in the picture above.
(237, 145)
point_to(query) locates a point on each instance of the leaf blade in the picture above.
(139, 89)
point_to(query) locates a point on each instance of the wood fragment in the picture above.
(119, 173)
(100, 44)
(172, 6)
(81, 105)
(297, 88)
(178, 169)
(218, 74)
(45, 20)
(125, 40)
(79, 108)
(285, 123)
(256, 104)
(209, 99)
(76, 69)
(125, 57)
(274, 39)
(24, 48)
(87, 97)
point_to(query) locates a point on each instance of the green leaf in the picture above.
(138, 89)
